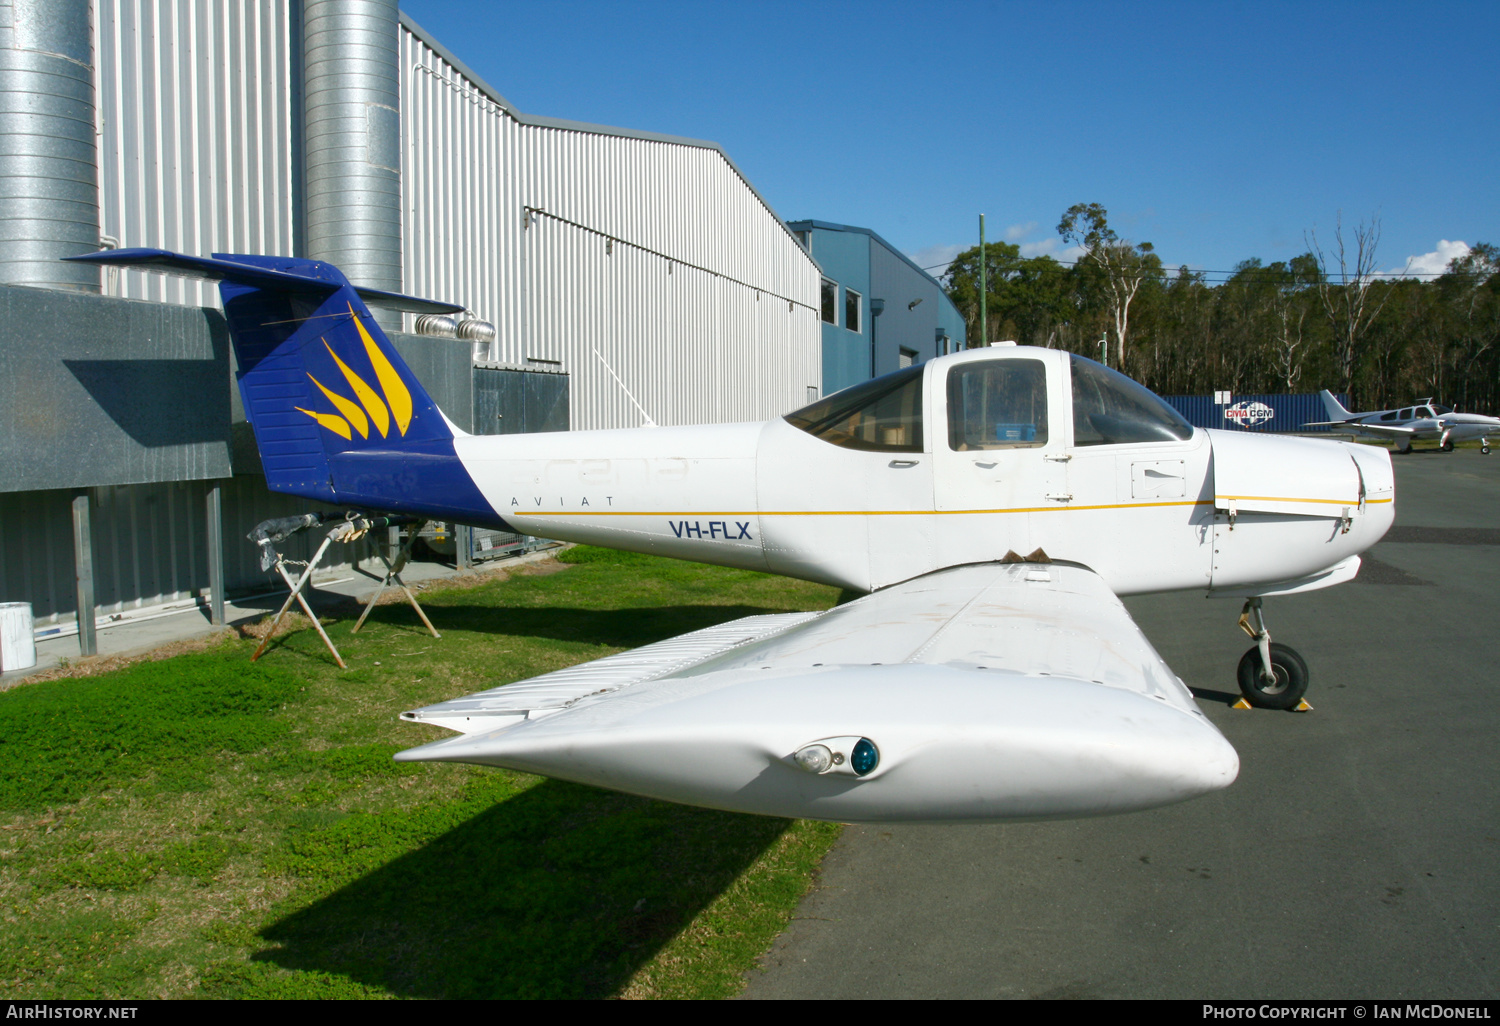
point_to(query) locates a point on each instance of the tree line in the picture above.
(1324, 319)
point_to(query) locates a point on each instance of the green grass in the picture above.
(207, 826)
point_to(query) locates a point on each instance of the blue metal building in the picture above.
(880, 311)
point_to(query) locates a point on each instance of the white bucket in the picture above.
(17, 647)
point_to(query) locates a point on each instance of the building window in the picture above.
(851, 309)
(830, 302)
(907, 357)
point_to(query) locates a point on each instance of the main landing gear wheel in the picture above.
(1484, 449)
(1448, 445)
(1287, 685)
(1271, 676)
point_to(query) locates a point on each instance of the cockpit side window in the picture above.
(1406, 413)
(1110, 409)
(997, 404)
(883, 415)
(1439, 410)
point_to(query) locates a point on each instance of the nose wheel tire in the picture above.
(1289, 681)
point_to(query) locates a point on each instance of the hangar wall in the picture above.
(585, 245)
(652, 251)
(200, 112)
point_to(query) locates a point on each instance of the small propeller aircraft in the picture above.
(1424, 420)
(993, 504)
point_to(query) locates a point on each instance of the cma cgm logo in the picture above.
(368, 410)
(1248, 414)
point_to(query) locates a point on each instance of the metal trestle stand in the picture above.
(281, 564)
(349, 529)
(393, 573)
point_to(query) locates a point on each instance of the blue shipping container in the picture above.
(1268, 413)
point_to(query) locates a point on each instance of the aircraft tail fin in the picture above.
(337, 414)
(1333, 407)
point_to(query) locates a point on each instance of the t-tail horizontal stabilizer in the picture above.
(337, 414)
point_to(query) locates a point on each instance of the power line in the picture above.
(1231, 275)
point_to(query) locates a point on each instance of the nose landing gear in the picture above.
(1271, 675)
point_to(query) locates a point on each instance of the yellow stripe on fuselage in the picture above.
(894, 512)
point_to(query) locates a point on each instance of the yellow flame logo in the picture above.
(370, 410)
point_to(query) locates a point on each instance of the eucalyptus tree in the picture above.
(1470, 294)
(1353, 301)
(1124, 266)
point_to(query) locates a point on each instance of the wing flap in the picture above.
(553, 692)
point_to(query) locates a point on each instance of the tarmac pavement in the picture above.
(1355, 857)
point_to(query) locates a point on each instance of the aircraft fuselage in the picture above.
(1146, 516)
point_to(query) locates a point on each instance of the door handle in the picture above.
(986, 464)
(904, 463)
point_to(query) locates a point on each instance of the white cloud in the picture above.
(936, 258)
(1017, 232)
(1049, 247)
(1429, 265)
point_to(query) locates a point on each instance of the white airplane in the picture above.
(993, 503)
(1424, 420)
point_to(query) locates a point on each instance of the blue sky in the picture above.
(1216, 131)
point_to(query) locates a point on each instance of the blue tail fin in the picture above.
(337, 414)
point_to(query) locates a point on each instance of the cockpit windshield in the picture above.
(1110, 409)
(883, 415)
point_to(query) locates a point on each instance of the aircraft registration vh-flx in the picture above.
(993, 504)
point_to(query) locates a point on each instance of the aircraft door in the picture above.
(1141, 486)
(862, 469)
(994, 457)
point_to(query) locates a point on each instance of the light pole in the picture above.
(984, 289)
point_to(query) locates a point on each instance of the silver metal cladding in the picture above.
(49, 192)
(351, 100)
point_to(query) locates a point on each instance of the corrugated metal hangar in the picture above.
(337, 130)
(590, 260)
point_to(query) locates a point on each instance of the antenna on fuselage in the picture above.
(644, 415)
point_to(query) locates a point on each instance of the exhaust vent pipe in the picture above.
(475, 330)
(438, 325)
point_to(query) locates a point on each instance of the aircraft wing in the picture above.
(1385, 430)
(983, 692)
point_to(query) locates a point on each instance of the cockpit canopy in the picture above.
(996, 403)
(883, 414)
(1111, 409)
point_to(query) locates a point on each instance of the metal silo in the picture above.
(352, 132)
(49, 194)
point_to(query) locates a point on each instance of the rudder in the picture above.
(337, 414)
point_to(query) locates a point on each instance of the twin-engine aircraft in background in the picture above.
(993, 504)
(1426, 420)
